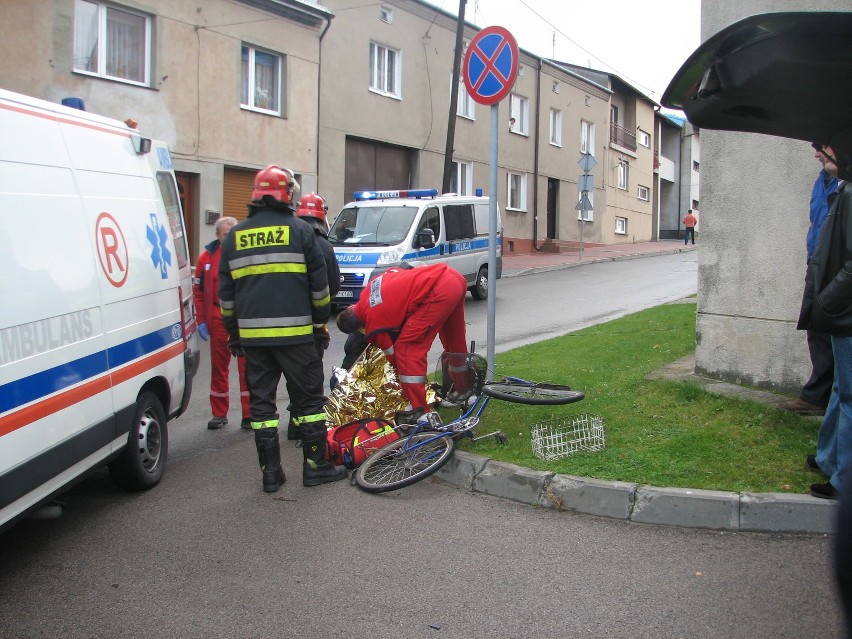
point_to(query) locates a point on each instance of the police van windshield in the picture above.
(379, 225)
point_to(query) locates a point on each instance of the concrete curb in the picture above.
(685, 507)
(510, 272)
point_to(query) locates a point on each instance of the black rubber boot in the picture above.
(293, 431)
(316, 468)
(269, 456)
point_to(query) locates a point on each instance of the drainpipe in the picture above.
(535, 158)
(319, 91)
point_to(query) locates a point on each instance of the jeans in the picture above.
(834, 442)
(690, 233)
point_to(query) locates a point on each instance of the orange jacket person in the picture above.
(205, 291)
(402, 311)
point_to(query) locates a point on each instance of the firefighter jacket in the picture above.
(205, 285)
(390, 298)
(273, 285)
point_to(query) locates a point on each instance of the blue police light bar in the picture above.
(381, 195)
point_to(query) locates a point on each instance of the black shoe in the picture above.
(217, 422)
(246, 423)
(824, 491)
(812, 464)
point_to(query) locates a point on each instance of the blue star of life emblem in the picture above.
(160, 254)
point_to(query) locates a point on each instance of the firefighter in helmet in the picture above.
(313, 209)
(273, 289)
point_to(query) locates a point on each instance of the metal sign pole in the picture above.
(492, 242)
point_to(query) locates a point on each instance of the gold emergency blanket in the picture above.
(370, 389)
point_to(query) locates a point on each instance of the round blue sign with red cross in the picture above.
(490, 65)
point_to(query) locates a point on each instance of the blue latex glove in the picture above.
(203, 333)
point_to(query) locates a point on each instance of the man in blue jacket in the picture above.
(813, 398)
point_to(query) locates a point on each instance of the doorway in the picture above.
(186, 192)
(552, 206)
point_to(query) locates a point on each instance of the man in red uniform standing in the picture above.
(205, 289)
(402, 311)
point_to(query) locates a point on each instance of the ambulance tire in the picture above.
(479, 290)
(142, 462)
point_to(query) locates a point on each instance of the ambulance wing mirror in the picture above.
(425, 238)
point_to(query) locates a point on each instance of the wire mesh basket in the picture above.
(564, 436)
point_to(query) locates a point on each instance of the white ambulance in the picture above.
(385, 228)
(98, 341)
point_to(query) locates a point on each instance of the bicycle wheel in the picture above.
(405, 462)
(523, 392)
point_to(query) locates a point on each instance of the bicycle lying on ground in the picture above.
(423, 448)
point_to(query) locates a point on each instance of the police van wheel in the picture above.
(142, 462)
(479, 290)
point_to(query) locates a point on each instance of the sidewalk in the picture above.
(719, 510)
(515, 264)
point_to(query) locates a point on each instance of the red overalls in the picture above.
(402, 312)
(205, 289)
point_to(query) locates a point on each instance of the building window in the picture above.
(644, 138)
(587, 137)
(112, 42)
(261, 82)
(623, 174)
(465, 107)
(621, 225)
(694, 205)
(643, 193)
(519, 115)
(386, 14)
(695, 165)
(588, 215)
(461, 179)
(517, 190)
(385, 70)
(556, 127)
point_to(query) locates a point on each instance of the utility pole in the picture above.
(454, 98)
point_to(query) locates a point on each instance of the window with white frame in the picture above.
(587, 137)
(589, 214)
(621, 225)
(623, 174)
(385, 69)
(461, 179)
(465, 106)
(261, 80)
(112, 42)
(519, 115)
(556, 127)
(517, 191)
(643, 193)
(643, 138)
(386, 14)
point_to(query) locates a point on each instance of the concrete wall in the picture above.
(754, 217)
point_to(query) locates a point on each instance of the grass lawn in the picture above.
(671, 434)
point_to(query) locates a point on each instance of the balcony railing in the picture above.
(622, 137)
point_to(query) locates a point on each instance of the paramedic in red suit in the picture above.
(205, 290)
(401, 312)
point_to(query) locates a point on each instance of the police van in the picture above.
(98, 341)
(384, 228)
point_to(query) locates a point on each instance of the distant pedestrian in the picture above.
(205, 291)
(689, 223)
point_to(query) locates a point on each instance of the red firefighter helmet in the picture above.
(277, 183)
(313, 206)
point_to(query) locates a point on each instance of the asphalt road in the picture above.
(208, 554)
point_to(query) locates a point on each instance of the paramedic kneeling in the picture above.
(401, 311)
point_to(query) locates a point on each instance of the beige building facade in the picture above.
(350, 95)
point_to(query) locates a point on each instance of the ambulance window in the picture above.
(172, 203)
(459, 220)
(431, 220)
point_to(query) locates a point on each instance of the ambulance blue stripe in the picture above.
(39, 385)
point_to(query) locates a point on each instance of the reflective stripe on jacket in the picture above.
(273, 284)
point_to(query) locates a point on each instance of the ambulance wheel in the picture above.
(142, 462)
(479, 290)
